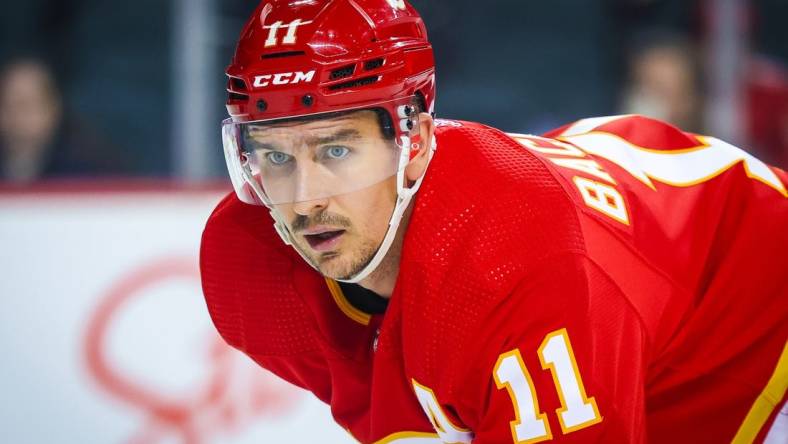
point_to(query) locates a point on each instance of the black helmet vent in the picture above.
(279, 55)
(369, 65)
(237, 84)
(341, 73)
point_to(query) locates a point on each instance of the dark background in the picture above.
(519, 65)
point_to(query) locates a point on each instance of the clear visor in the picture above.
(310, 158)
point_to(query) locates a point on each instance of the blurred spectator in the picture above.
(30, 112)
(665, 81)
(37, 139)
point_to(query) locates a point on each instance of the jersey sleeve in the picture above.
(560, 359)
(248, 279)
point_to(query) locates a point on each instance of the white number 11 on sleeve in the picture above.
(577, 409)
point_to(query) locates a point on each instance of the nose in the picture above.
(305, 208)
(307, 190)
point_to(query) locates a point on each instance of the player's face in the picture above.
(340, 233)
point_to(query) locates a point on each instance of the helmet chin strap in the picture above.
(404, 196)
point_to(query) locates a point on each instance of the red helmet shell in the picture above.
(300, 57)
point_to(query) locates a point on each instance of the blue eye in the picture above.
(277, 157)
(337, 152)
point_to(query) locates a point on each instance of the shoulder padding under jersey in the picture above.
(248, 282)
(635, 129)
(263, 298)
(488, 212)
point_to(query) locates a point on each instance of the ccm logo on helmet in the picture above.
(284, 78)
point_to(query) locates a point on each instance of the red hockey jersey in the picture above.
(615, 281)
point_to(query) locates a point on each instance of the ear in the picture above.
(418, 163)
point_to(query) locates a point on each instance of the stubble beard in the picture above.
(335, 266)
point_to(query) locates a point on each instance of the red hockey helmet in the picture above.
(302, 66)
(300, 57)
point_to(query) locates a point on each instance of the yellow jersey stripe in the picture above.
(764, 405)
(347, 308)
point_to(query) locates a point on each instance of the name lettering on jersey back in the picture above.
(678, 168)
(601, 196)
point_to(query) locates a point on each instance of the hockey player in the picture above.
(616, 280)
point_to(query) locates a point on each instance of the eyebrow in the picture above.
(255, 145)
(341, 135)
(346, 134)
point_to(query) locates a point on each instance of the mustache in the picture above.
(301, 222)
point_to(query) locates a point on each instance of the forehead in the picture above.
(363, 122)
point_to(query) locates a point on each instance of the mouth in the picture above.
(324, 240)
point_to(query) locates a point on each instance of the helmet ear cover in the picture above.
(387, 123)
